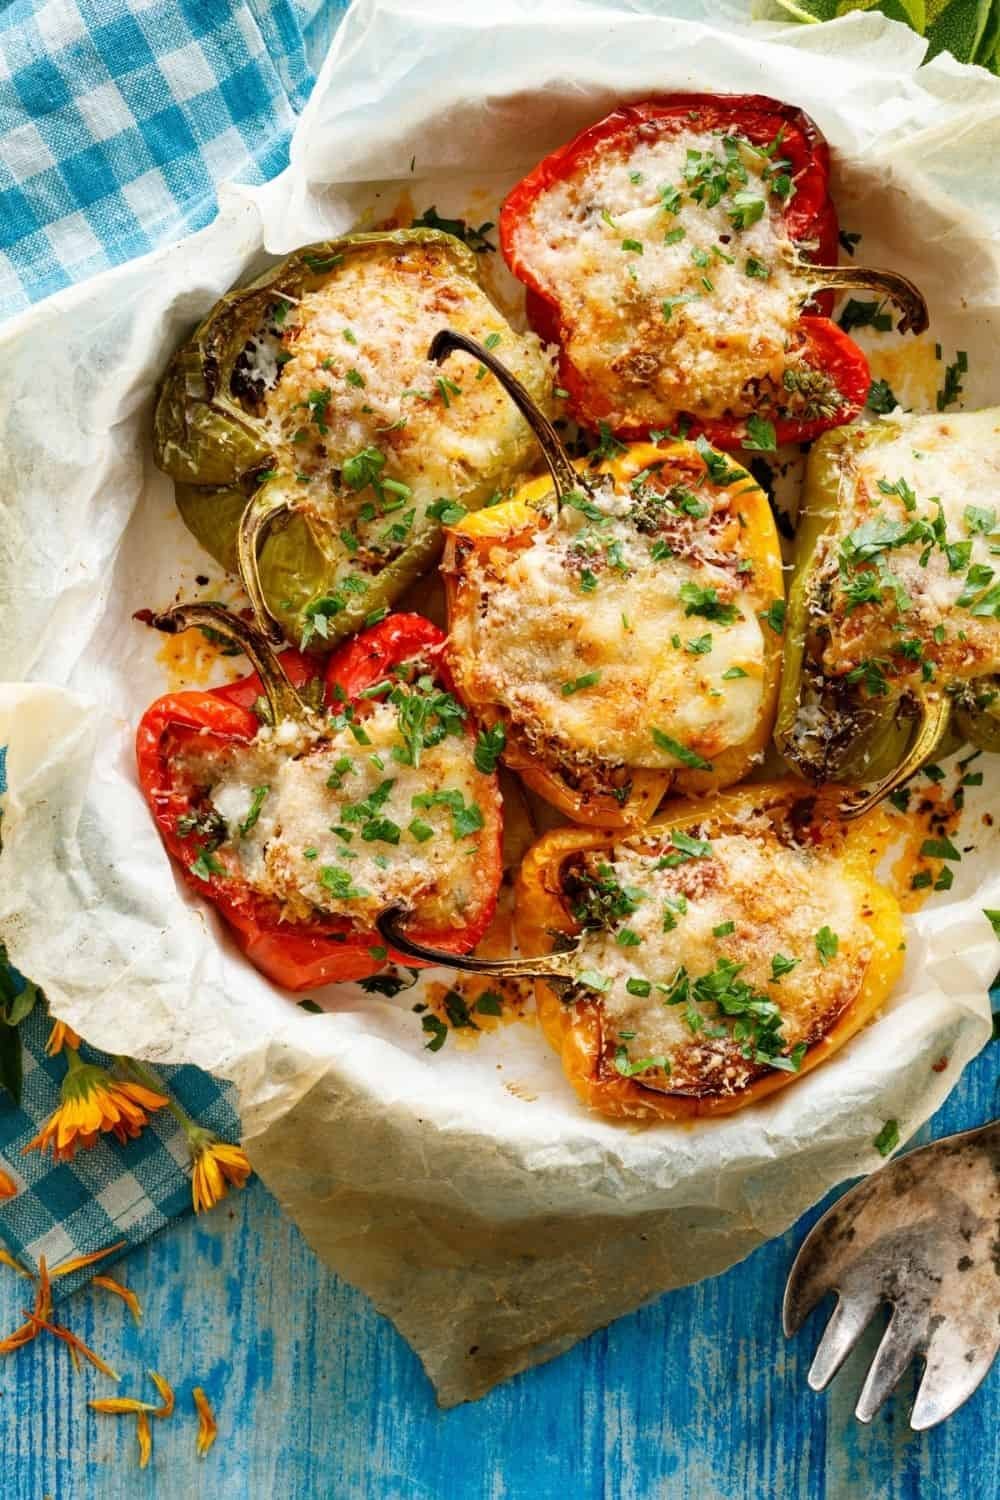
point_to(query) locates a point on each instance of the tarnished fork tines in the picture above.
(923, 1235)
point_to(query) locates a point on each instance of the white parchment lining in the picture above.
(478, 1204)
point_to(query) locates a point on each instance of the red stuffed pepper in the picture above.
(302, 823)
(670, 249)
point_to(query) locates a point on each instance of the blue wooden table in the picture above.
(697, 1397)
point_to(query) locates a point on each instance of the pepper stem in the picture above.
(255, 523)
(889, 285)
(282, 697)
(935, 716)
(549, 966)
(564, 477)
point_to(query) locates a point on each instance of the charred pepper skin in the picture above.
(295, 955)
(221, 459)
(809, 218)
(830, 731)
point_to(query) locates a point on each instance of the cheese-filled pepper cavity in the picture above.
(892, 647)
(677, 251)
(617, 628)
(313, 447)
(303, 805)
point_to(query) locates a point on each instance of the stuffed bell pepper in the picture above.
(302, 807)
(617, 631)
(674, 250)
(312, 445)
(698, 964)
(892, 648)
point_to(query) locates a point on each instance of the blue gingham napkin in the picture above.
(118, 120)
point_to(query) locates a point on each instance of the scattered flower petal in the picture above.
(79, 1261)
(217, 1167)
(76, 1346)
(8, 1187)
(120, 1406)
(61, 1036)
(15, 1265)
(208, 1429)
(128, 1297)
(166, 1391)
(145, 1435)
(92, 1103)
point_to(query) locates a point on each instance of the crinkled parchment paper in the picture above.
(468, 1180)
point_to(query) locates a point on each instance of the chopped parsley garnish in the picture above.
(757, 268)
(774, 615)
(716, 464)
(732, 673)
(448, 512)
(355, 378)
(642, 1065)
(625, 937)
(589, 679)
(340, 884)
(942, 848)
(363, 469)
(633, 245)
(466, 818)
(490, 744)
(704, 600)
(881, 399)
(747, 208)
(858, 314)
(888, 1138)
(980, 520)
(476, 239)
(259, 793)
(674, 236)
(437, 1031)
(669, 303)
(724, 929)
(780, 966)
(684, 848)
(993, 917)
(592, 979)
(827, 944)
(701, 645)
(952, 388)
(206, 865)
(760, 436)
(425, 715)
(678, 751)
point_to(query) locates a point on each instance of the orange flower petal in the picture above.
(15, 1265)
(8, 1187)
(217, 1167)
(76, 1345)
(166, 1391)
(19, 1338)
(43, 1296)
(208, 1429)
(145, 1435)
(120, 1406)
(79, 1261)
(61, 1036)
(128, 1297)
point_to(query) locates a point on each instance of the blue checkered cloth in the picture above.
(118, 121)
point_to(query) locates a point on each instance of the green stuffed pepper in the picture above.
(892, 643)
(314, 447)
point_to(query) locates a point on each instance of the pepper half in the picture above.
(272, 806)
(312, 448)
(697, 965)
(892, 649)
(669, 250)
(617, 630)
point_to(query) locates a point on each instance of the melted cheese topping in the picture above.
(943, 471)
(778, 897)
(315, 850)
(603, 246)
(584, 636)
(355, 376)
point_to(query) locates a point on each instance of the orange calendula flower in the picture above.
(94, 1103)
(8, 1187)
(217, 1167)
(61, 1036)
(208, 1429)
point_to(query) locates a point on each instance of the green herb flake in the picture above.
(887, 1139)
(678, 751)
(827, 944)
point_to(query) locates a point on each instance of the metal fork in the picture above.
(923, 1235)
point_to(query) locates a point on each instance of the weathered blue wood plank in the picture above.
(697, 1397)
